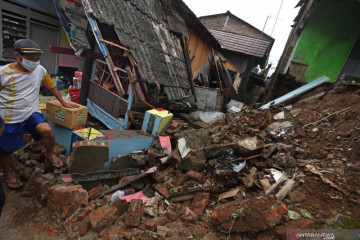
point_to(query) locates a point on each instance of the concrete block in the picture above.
(89, 156)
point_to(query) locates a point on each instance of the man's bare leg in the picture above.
(10, 176)
(48, 139)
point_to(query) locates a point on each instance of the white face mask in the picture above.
(29, 65)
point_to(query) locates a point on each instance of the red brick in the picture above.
(162, 190)
(89, 207)
(121, 205)
(94, 192)
(272, 214)
(26, 194)
(154, 222)
(221, 215)
(174, 124)
(170, 131)
(171, 215)
(41, 188)
(103, 217)
(200, 202)
(134, 214)
(65, 200)
(180, 180)
(152, 158)
(68, 211)
(282, 210)
(195, 176)
(303, 223)
(85, 226)
(261, 205)
(169, 185)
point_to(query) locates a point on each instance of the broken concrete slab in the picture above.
(217, 150)
(282, 187)
(249, 146)
(196, 162)
(122, 162)
(89, 156)
(100, 175)
(229, 194)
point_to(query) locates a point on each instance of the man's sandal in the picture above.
(63, 165)
(17, 182)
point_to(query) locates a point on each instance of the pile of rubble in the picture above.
(253, 175)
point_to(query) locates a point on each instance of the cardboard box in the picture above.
(66, 117)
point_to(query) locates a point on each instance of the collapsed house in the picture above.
(245, 46)
(161, 51)
(324, 41)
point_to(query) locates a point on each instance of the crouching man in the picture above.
(19, 107)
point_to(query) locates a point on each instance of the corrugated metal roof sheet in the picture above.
(241, 43)
(141, 28)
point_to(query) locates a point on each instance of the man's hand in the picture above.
(70, 105)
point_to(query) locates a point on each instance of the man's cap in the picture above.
(27, 46)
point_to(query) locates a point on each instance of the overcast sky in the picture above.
(254, 12)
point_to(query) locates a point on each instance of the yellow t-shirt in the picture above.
(19, 92)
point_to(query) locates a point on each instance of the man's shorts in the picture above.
(12, 138)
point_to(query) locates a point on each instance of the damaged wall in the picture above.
(200, 54)
(328, 37)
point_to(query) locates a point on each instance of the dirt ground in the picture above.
(24, 218)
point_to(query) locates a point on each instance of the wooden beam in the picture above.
(114, 44)
(87, 54)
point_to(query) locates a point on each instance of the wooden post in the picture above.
(244, 81)
(217, 69)
(87, 71)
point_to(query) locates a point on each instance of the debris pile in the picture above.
(253, 175)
